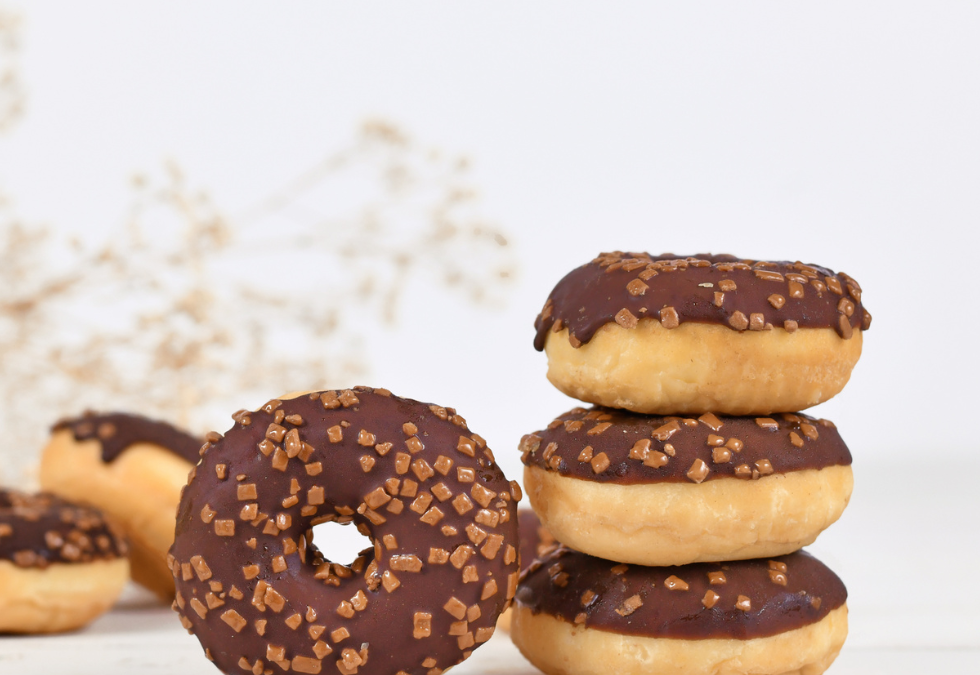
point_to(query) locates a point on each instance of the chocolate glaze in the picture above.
(594, 294)
(558, 583)
(788, 441)
(340, 443)
(536, 540)
(118, 431)
(40, 529)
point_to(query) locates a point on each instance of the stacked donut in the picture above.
(683, 495)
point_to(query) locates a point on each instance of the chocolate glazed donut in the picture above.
(440, 515)
(132, 468)
(61, 564)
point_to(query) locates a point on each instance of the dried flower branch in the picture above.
(186, 314)
(12, 93)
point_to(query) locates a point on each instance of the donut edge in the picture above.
(559, 648)
(661, 524)
(60, 597)
(696, 367)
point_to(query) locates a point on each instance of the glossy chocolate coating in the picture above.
(593, 592)
(663, 449)
(40, 529)
(117, 431)
(595, 294)
(536, 540)
(438, 510)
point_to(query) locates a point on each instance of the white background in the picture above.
(840, 133)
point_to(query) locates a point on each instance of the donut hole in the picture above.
(339, 542)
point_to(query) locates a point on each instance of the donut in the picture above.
(132, 469)
(61, 565)
(536, 541)
(579, 615)
(440, 515)
(655, 490)
(671, 335)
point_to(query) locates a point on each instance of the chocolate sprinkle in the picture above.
(715, 289)
(664, 449)
(783, 593)
(39, 529)
(118, 431)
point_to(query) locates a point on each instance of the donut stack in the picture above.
(683, 495)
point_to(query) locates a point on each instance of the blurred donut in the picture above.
(579, 615)
(132, 469)
(671, 335)
(536, 541)
(61, 565)
(658, 490)
(414, 479)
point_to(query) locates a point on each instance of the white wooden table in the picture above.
(908, 549)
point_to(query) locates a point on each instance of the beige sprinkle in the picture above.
(456, 608)
(738, 321)
(432, 516)
(306, 664)
(743, 603)
(234, 619)
(699, 471)
(626, 319)
(640, 449)
(422, 625)
(669, 318)
(721, 455)
(402, 462)
(390, 581)
(247, 492)
(600, 463)
(630, 605)
(466, 446)
(674, 583)
(656, 459)
(778, 577)
(710, 599)
(599, 428)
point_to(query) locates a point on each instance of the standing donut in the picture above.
(61, 565)
(673, 335)
(439, 513)
(132, 469)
